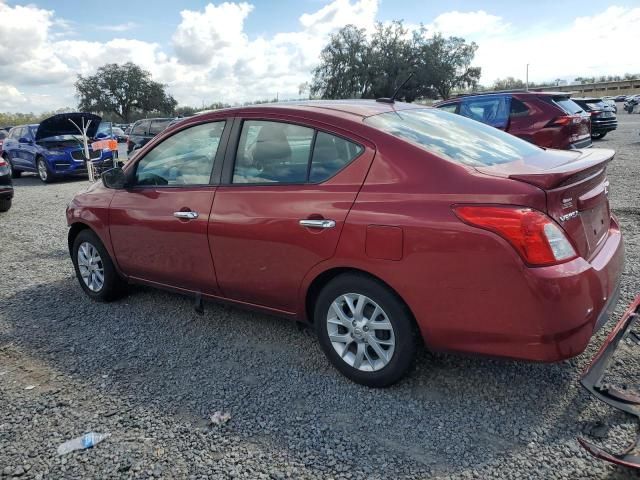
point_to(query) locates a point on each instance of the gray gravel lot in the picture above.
(150, 371)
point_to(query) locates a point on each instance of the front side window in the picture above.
(449, 107)
(492, 110)
(453, 137)
(185, 158)
(272, 152)
(140, 128)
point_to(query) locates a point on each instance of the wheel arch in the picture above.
(322, 279)
(74, 230)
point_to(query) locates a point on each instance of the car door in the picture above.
(287, 189)
(158, 225)
(12, 147)
(29, 149)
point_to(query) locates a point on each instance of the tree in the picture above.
(508, 83)
(123, 90)
(353, 65)
(449, 62)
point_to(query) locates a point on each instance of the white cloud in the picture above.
(120, 27)
(589, 46)
(212, 58)
(464, 24)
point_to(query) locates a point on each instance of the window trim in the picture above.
(214, 178)
(226, 179)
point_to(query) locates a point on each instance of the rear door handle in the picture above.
(318, 223)
(186, 215)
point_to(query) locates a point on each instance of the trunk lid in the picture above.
(576, 188)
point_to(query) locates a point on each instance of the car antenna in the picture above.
(395, 94)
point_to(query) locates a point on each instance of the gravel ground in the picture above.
(151, 372)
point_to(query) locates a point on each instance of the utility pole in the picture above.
(527, 79)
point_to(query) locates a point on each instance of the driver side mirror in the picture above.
(24, 140)
(115, 178)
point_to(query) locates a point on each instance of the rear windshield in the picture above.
(453, 136)
(568, 105)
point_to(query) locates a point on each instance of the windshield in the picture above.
(455, 137)
(105, 128)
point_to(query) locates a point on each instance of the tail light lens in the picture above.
(564, 120)
(595, 113)
(3, 162)
(535, 236)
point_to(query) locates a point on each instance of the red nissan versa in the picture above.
(385, 225)
(546, 119)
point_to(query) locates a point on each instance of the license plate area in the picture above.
(595, 222)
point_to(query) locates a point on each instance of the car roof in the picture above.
(338, 108)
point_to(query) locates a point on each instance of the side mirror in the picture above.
(114, 178)
(24, 140)
(102, 135)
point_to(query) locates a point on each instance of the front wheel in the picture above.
(365, 330)
(5, 204)
(43, 171)
(94, 269)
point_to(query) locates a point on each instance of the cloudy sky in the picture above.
(247, 50)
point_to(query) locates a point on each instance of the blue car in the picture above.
(54, 148)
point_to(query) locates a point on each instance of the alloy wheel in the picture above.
(90, 266)
(360, 332)
(42, 170)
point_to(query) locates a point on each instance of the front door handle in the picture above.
(186, 215)
(318, 223)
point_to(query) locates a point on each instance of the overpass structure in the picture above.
(598, 89)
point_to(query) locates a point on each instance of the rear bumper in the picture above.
(585, 143)
(544, 314)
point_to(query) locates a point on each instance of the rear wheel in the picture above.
(598, 136)
(5, 204)
(365, 330)
(94, 268)
(43, 171)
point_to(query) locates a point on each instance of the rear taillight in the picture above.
(564, 120)
(535, 236)
(3, 162)
(595, 113)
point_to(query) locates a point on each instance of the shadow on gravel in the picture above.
(32, 180)
(151, 350)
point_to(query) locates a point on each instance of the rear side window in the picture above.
(3, 134)
(330, 154)
(569, 106)
(518, 109)
(140, 128)
(158, 126)
(453, 137)
(492, 110)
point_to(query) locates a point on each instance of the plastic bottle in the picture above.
(87, 440)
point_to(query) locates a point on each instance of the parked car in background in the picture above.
(620, 98)
(3, 134)
(6, 186)
(603, 117)
(546, 119)
(384, 225)
(53, 149)
(119, 134)
(631, 103)
(611, 103)
(144, 130)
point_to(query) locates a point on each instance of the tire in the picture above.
(361, 338)
(598, 136)
(112, 285)
(44, 173)
(5, 204)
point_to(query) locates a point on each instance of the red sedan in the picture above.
(387, 226)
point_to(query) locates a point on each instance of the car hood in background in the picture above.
(61, 125)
